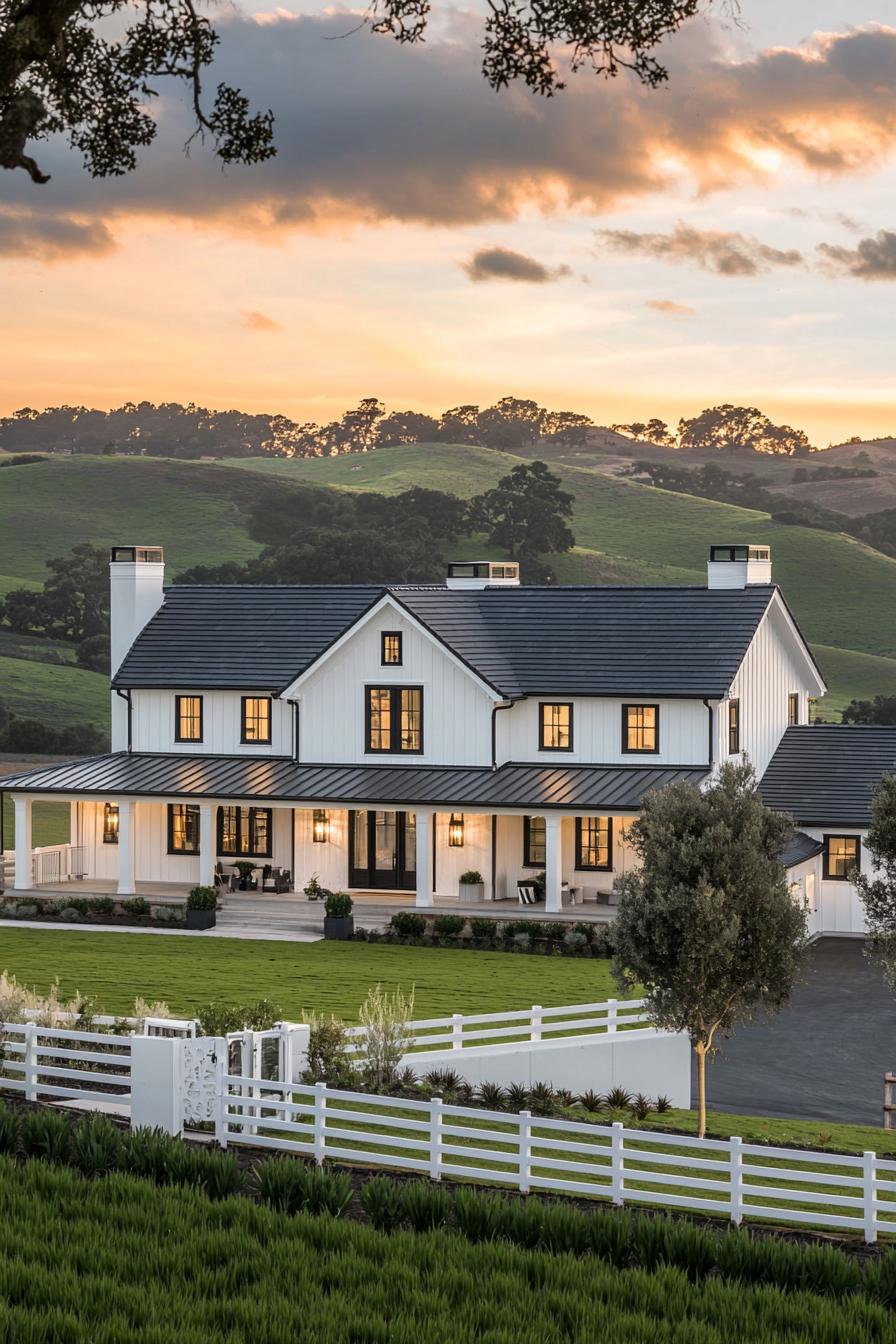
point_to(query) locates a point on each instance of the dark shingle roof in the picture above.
(799, 848)
(524, 641)
(573, 788)
(824, 775)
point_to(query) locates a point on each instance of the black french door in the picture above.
(382, 850)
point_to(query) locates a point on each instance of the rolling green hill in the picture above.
(842, 593)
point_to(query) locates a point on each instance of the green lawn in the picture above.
(114, 968)
(850, 675)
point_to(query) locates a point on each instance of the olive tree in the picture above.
(89, 68)
(707, 924)
(878, 893)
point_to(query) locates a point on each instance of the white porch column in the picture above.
(553, 862)
(24, 876)
(127, 847)
(206, 846)
(425, 826)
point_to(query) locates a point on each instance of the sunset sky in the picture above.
(614, 250)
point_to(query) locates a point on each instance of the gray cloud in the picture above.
(499, 263)
(368, 130)
(723, 253)
(256, 321)
(871, 258)
(670, 308)
(52, 237)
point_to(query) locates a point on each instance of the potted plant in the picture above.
(471, 888)
(313, 889)
(202, 904)
(338, 919)
(245, 870)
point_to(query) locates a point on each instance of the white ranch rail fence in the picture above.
(528, 1024)
(723, 1177)
(57, 1064)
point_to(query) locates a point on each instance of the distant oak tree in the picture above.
(63, 71)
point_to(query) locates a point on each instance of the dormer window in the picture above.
(640, 728)
(555, 732)
(390, 648)
(256, 719)
(188, 718)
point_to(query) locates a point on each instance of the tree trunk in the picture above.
(700, 1052)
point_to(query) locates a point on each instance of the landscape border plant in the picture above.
(99, 1150)
(534, 937)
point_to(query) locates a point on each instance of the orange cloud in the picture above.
(256, 321)
(370, 131)
(670, 308)
(51, 237)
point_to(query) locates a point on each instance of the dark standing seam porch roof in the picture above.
(573, 788)
(564, 640)
(825, 774)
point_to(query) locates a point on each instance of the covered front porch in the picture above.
(388, 834)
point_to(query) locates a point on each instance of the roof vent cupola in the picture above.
(467, 574)
(739, 565)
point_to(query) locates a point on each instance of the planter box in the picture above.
(201, 919)
(341, 929)
(470, 893)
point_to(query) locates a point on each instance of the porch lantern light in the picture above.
(456, 831)
(320, 826)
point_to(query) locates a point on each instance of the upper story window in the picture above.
(188, 718)
(245, 831)
(534, 842)
(793, 709)
(555, 732)
(256, 719)
(183, 828)
(394, 718)
(733, 727)
(641, 728)
(594, 843)
(110, 824)
(842, 855)
(390, 648)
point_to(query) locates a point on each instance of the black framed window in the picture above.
(188, 718)
(110, 824)
(393, 719)
(256, 718)
(183, 828)
(641, 728)
(245, 831)
(534, 842)
(390, 648)
(594, 843)
(842, 854)
(733, 727)
(555, 726)
(793, 709)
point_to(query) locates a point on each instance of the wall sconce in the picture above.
(110, 824)
(320, 827)
(456, 831)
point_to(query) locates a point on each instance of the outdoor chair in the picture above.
(224, 881)
(528, 893)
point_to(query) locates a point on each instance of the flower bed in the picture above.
(530, 937)
(130, 912)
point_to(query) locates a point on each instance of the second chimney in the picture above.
(738, 566)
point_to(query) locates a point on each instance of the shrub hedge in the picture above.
(534, 937)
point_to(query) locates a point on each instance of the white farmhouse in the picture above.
(392, 738)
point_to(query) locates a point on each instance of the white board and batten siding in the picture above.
(770, 672)
(456, 706)
(153, 862)
(597, 732)
(153, 725)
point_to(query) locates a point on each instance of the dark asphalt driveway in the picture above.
(825, 1055)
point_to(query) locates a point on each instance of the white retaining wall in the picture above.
(656, 1063)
